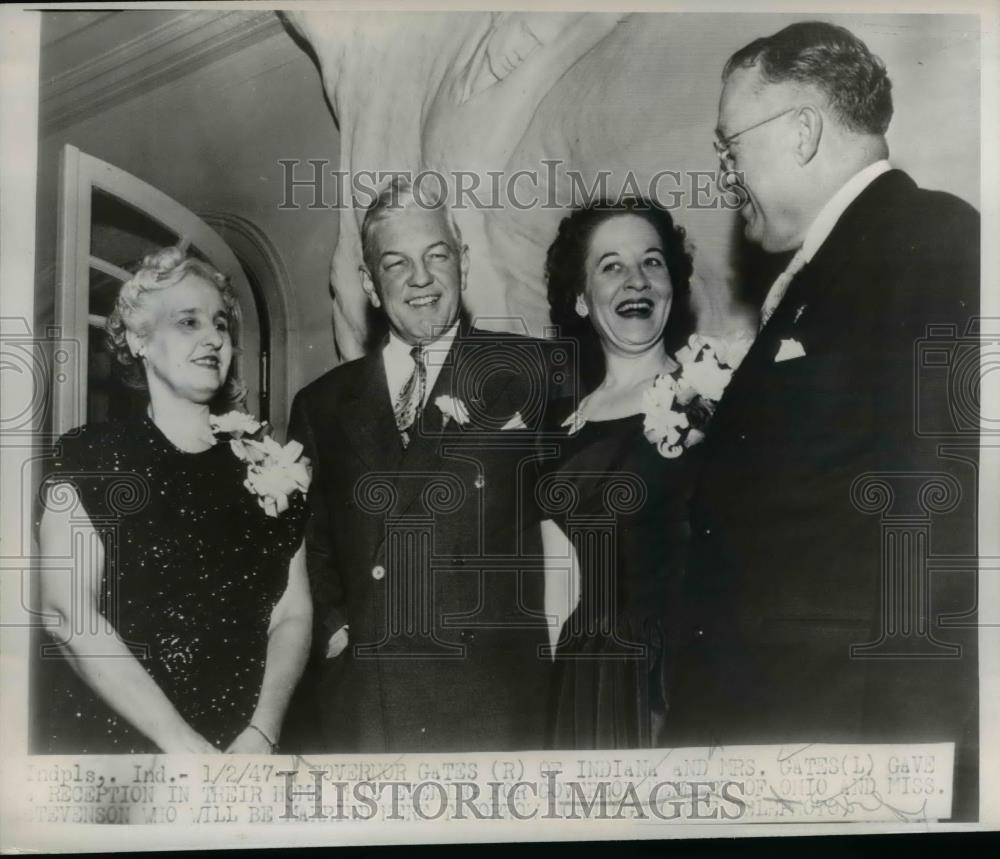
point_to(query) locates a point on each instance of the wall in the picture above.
(212, 141)
(644, 99)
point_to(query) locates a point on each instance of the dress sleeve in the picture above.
(75, 460)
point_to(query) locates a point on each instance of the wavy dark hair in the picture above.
(159, 271)
(566, 276)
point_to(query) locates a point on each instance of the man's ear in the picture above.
(463, 265)
(368, 285)
(135, 343)
(810, 130)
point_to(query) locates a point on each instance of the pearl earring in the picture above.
(581, 307)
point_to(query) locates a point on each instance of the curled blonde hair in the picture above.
(132, 313)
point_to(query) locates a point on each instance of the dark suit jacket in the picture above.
(423, 554)
(790, 537)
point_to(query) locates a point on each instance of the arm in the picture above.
(95, 650)
(562, 577)
(324, 585)
(288, 642)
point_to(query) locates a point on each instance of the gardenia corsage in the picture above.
(274, 471)
(679, 405)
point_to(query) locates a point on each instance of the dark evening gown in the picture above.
(193, 570)
(629, 524)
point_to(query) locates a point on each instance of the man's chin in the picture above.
(756, 233)
(422, 330)
(753, 234)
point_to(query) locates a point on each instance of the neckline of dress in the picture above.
(167, 444)
(575, 422)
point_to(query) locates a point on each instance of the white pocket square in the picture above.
(338, 642)
(789, 349)
(516, 422)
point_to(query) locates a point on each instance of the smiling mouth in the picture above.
(423, 301)
(635, 308)
(209, 362)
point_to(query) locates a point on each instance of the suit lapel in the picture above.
(862, 219)
(812, 287)
(367, 417)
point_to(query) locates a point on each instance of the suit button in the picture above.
(699, 632)
(743, 436)
(707, 532)
(378, 572)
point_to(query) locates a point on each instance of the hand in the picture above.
(188, 741)
(511, 43)
(249, 742)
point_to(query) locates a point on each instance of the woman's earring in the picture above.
(581, 307)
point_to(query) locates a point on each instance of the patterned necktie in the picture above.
(411, 397)
(780, 287)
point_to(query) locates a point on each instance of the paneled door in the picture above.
(108, 221)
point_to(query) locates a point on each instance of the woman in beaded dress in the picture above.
(617, 529)
(181, 614)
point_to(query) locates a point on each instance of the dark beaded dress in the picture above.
(628, 521)
(193, 570)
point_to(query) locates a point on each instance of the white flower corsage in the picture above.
(665, 420)
(679, 406)
(274, 471)
(729, 351)
(453, 409)
(236, 424)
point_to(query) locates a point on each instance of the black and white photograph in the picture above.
(484, 424)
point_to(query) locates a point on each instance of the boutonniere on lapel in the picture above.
(789, 349)
(452, 409)
(798, 313)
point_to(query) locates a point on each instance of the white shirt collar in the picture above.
(828, 216)
(399, 363)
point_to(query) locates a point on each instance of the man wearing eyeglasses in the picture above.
(812, 615)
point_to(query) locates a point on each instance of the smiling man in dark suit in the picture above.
(430, 629)
(812, 614)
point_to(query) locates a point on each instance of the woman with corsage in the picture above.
(618, 491)
(173, 579)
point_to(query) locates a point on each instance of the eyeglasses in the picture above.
(722, 144)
